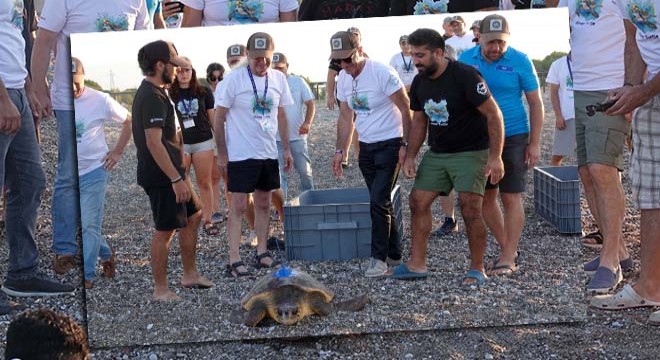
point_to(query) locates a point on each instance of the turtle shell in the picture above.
(265, 286)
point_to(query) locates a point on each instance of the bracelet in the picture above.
(176, 180)
(339, 151)
(404, 143)
(628, 84)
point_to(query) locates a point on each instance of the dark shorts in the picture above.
(246, 176)
(515, 169)
(168, 214)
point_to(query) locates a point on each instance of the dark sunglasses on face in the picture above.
(348, 60)
(214, 79)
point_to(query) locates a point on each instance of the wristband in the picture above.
(179, 178)
(339, 151)
(628, 84)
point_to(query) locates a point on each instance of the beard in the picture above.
(428, 71)
(167, 77)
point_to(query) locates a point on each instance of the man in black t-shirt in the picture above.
(465, 135)
(342, 9)
(160, 169)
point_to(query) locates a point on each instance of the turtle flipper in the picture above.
(318, 305)
(255, 315)
(355, 304)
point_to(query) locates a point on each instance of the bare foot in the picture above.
(196, 282)
(165, 295)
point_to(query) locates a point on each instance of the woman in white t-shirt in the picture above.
(194, 108)
(235, 12)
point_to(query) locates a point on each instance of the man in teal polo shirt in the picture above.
(509, 75)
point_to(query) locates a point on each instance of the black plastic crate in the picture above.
(557, 197)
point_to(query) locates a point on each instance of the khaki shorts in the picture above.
(600, 138)
(443, 172)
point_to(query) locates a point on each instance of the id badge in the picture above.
(188, 123)
(265, 124)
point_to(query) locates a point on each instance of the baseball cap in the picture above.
(279, 58)
(458, 18)
(236, 50)
(354, 30)
(159, 50)
(475, 24)
(447, 20)
(403, 38)
(260, 45)
(77, 70)
(494, 27)
(342, 45)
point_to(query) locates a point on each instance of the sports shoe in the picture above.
(604, 280)
(63, 263)
(109, 266)
(591, 266)
(376, 268)
(37, 285)
(392, 262)
(450, 225)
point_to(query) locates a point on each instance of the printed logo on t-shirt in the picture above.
(482, 89)
(262, 105)
(104, 22)
(188, 108)
(588, 9)
(642, 15)
(245, 11)
(424, 7)
(17, 16)
(569, 83)
(360, 103)
(80, 130)
(437, 112)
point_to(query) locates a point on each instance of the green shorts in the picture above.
(444, 172)
(600, 138)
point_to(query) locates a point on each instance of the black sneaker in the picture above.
(274, 243)
(450, 225)
(7, 306)
(36, 286)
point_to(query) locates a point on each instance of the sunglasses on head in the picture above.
(212, 78)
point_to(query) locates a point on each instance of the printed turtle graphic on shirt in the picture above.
(107, 23)
(17, 15)
(262, 105)
(642, 15)
(430, 7)
(360, 102)
(588, 9)
(437, 112)
(80, 130)
(245, 11)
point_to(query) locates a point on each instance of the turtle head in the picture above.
(288, 314)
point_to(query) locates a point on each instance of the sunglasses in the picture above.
(348, 60)
(214, 79)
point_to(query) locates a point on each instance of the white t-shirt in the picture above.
(12, 46)
(233, 12)
(404, 67)
(461, 43)
(66, 17)
(93, 109)
(368, 95)
(300, 92)
(559, 74)
(647, 30)
(252, 125)
(597, 41)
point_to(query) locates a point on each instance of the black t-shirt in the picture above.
(342, 9)
(151, 109)
(406, 7)
(450, 104)
(193, 115)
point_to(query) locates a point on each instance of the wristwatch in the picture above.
(404, 143)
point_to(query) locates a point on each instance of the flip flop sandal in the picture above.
(597, 237)
(232, 270)
(654, 318)
(507, 269)
(211, 229)
(477, 275)
(262, 256)
(402, 272)
(217, 218)
(627, 298)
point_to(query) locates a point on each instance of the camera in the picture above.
(599, 107)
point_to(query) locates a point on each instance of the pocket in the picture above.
(614, 142)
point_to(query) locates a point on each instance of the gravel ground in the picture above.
(547, 292)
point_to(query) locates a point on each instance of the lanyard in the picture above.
(254, 88)
(407, 66)
(568, 62)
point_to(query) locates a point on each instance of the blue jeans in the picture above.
(92, 200)
(21, 172)
(379, 166)
(66, 205)
(301, 162)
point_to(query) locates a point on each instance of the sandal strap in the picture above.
(264, 255)
(234, 265)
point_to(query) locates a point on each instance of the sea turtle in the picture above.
(288, 295)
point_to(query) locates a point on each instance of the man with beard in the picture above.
(160, 169)
(376, 94)
(510, 75)
(465, 138)
(251, 103)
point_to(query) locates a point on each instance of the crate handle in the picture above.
(337, 226)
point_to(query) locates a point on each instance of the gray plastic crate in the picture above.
(332, 224)
(557, 197)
